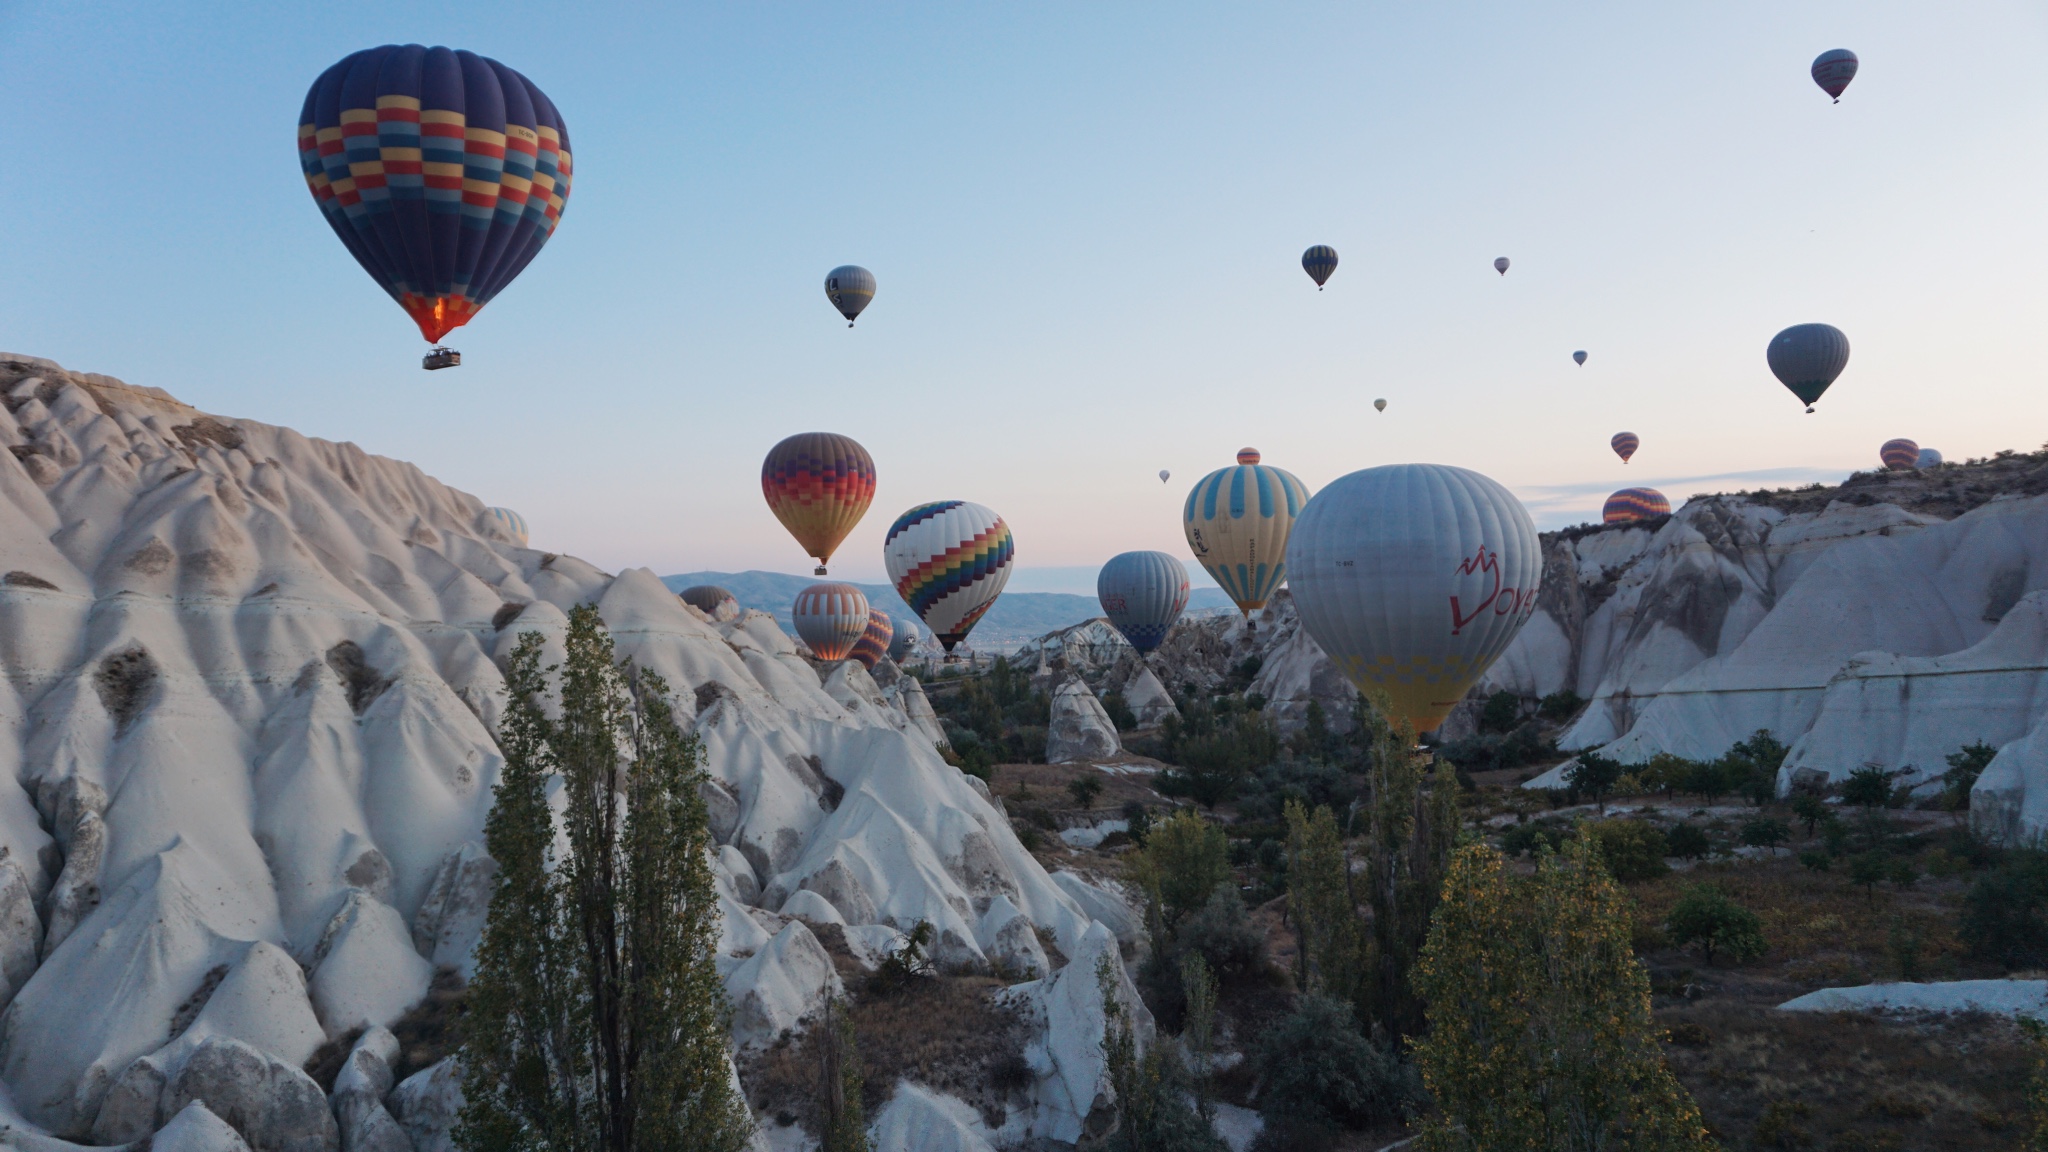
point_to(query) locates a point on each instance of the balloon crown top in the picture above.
(1247, 455)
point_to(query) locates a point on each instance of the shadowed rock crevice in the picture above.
(124, 682)
(362, 682)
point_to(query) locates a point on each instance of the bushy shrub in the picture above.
(1765, 832)
(2005, 914)
(1559, 706)
(1216, 745)
(1528, 839)
(1631, 849)
(1501, 713)
(1868, 787)
(1318, 1074)
(1592, 775)
(1222, 934)
(1687, 841)
(1492, 752)
(1706, 918)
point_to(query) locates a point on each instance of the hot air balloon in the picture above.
(1500, 265)
(904, 640)
(1632, 504)
(443, 172)
(830, 618)
(949, 561)
(509, 522)
(1379, 405)
(1625, 445)
(1579, 358)
(711, 600)
(1928, 458)
(1237, 520)
(1806, 358)
(1164, 475)
(1901, 455)
(1833, 70)
(1319, 262)
(1414, 578)
(874, 642)
(849, 287)
(819, 484)
(1142, 593)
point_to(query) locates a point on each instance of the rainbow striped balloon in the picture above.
(819, 484)
(1237, 521)
(1633, 504)
(830, 618)
(1901, 455)
(949, 561)
(444, 173)
(874, 643)
(1625, 445)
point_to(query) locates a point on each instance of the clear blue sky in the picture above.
(1085, 220)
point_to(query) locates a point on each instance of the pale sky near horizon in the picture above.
(1086, 223)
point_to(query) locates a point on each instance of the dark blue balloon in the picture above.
(1806, 358)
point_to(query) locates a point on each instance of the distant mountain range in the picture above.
(1017, 617)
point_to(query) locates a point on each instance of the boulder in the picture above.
(780, 986)
(366, 971)
(1080, 729)
(917, 1119)
(1104, 906)
(197, 1130)
(1010, 942)
(450, 920)
(427, 1104)
(273, 1105)
(21, 930)
(358, 1098)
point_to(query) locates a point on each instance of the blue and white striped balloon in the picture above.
(509, 522)
(830, 618)
(1237, 520)
(1142, 593)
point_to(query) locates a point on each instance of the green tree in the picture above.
(1198, 1026)
(1411, 816)
(1688, 841)
(2037, 1084)
(1318, 1073)
(1540, 1036)
(1765, 832)
(1868, 787)
(596, 1018)
(1184, 860)
(1964, 766)
(840, 1078)
(1151, 1104)
(1320, 901)
(1084, 790)
(1593, 775)
(1631, 849)
(1706, 917)
(1811, 809)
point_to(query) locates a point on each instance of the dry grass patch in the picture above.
(949, 1034)
(1771, 1079)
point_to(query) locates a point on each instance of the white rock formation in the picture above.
(916, 1119)
(426, 1105)
(1072, 1096)
(1859, 634)
(251, 682)
(1998, 997)
(781, 986)
(197, 1130)
(1081, 730)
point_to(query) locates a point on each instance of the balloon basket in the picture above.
(820, 571)
(439, 357)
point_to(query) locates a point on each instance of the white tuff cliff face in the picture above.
(1857, 630)
(246, 756)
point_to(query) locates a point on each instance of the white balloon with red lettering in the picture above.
(1414, 578)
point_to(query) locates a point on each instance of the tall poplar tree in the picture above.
(1540, 1035)
(596, 1019)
